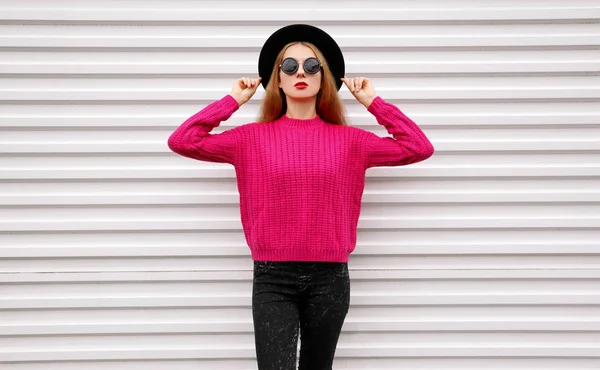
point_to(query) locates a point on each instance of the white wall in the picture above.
(112, 248)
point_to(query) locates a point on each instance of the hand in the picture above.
(362, 89)
(244, 88)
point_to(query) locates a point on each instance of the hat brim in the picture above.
(301, 32)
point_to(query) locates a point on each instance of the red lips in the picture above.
(301, 85)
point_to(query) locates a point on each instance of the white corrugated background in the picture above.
(117, 254)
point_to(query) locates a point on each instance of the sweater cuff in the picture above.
(376, 105)
(230, 103)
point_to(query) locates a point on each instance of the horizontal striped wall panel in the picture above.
(117, 254)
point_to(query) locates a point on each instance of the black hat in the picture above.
(301, 32)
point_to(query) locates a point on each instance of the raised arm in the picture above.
(193, 139)
(408, 143)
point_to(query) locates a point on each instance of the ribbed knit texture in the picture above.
(300, 181)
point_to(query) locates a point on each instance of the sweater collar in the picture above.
(316, 121)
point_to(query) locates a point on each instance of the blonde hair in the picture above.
(329, 105)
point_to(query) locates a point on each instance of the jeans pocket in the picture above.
(268, 271)
(340, 270)
(260, 269)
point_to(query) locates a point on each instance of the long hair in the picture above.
(329, 105)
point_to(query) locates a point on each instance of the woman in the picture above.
(300, 172)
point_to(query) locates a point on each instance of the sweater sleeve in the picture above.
(408, 145)
(193, 139)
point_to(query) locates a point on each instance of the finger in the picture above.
(351, 84)
(347, 83)
(356, 84)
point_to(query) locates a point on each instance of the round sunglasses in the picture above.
(290, 66)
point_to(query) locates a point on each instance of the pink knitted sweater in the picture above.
(300, 181)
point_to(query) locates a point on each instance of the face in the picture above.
(300, 85)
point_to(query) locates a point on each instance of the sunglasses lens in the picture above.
(312, 66)
(289, 66)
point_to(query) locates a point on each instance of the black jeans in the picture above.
(291, 298)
